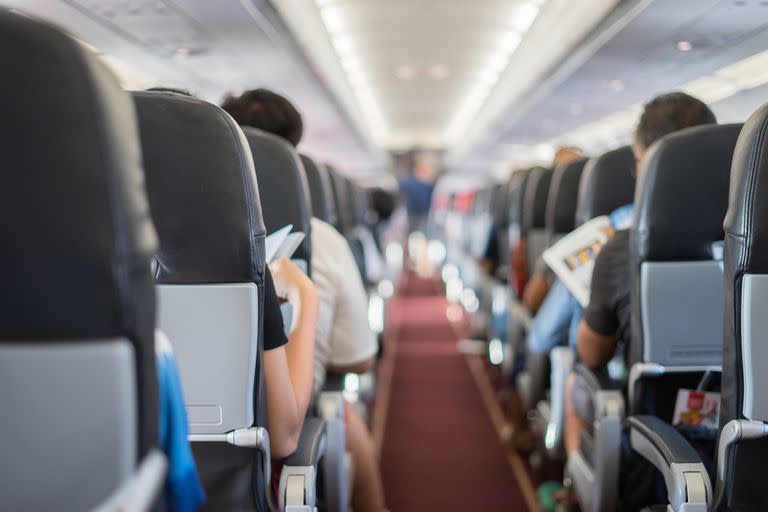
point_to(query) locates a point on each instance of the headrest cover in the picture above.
(76, 231)
(608, 182)
(320, 191)
(746, 222)
(680, 200)
(535, 201)
(202, 190)
(516, 202)
(283, 185)
(342, 200)
(563, 196)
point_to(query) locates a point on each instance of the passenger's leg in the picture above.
(367, 489)
(574, 425)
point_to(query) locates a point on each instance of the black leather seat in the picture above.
(320, 190)
(563, 197)
(679, 206)
(535, 213)
(284, 190)
(740, 477)
(210, 273)
(608, 183)
(78, 382)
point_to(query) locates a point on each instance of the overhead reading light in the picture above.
(405, 72)
(523, 16)
(438, 71)
(617, 85)
(684, 46)
(344, 47)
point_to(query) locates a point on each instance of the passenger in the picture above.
(344, 341)
(538, 285)
(607, 317)
(417, 188)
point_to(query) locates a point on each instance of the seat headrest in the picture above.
(746, 222)
(607, 183)
(342, 200)
(320, 191)
(563, 196)
(360, 202)
(202, 190)
(516, 200)
(77, 235)
(535, 201)
(283, 186)
(681, 198)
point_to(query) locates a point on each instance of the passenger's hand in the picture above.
(290, 282)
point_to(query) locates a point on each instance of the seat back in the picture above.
(283, 186)
(563, 196)
(534, 212)
(746, 289)
(680, 204)
(210, 271)
(518, 265)
(77, 361)
(344, 217)
(607, 183)
(320, 190)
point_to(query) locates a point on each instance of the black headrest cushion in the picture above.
(535, 201)
(202, 190)
(77, 236)
(283, 185)
(563, 196)
(746, 222)
(320, 190)
(608, 182)
(681, 196)
(342, 200)
(515, 201)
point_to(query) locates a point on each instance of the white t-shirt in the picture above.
(343, 335)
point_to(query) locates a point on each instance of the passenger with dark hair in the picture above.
(344, 342)
(606, 319)
(268, 111)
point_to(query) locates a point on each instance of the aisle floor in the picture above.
(441, 450)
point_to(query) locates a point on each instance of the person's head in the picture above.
(383, 202)
(268, 111)
(665, 114)
(426, 165)
(566, 155)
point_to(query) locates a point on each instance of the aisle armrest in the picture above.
(688, 486)
(298, 479)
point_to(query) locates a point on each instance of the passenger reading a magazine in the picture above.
(606, 319)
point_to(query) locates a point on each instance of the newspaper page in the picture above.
(282, 243)
(697, 409)
(572, 258)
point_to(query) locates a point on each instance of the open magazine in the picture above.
(282, 243)
(572, 258)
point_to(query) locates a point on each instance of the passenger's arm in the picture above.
(594, 349)
(535, 292)
(288, 369)
(597, 337)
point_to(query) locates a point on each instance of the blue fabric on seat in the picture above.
(184, 493)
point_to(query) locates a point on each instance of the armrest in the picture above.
(686, 478)
(311, 444)
(330, 405)
(298, 478)
(142, 489)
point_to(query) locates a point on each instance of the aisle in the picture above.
(440, 448)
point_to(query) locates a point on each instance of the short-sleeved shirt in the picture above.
(343, 335)
(608, 312)
(274, 329)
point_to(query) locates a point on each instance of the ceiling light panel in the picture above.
(432, 60)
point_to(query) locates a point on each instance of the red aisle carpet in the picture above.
(440, 449)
